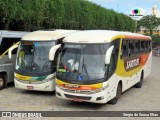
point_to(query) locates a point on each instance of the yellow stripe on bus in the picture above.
(8, 50)
(21, 77)
(117, 37)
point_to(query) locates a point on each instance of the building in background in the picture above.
(155, 31)
(155, 10)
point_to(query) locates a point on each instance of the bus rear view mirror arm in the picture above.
(108, 55)
(10, 51)
(53, 51)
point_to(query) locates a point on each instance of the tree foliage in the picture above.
(61, 14)
(149, 22)
(156, 40)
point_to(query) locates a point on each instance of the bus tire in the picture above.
(139, 84)
(2, 82)
(118, 94)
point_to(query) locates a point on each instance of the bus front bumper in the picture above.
(100, 97)
(47, 86)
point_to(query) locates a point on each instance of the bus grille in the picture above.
(79, 97)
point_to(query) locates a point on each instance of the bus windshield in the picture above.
(82, 63)
(32, 58)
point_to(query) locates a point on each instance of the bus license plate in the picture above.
(77, 100)
(30, 87)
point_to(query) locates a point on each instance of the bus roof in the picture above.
(12, 34)
(101, 36)
(47, 35)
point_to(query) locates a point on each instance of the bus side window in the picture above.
(147, 46)
(111, 66)
(131, 48)
(142, 46)
(137, 47)
(114, 58)
(124, 48)
(6, 43)
(150, 45)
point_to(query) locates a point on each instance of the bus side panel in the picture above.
(7, 66)
(132, 75)
(147, 67)
(121, 73)
(112, 86)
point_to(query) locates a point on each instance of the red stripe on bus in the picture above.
(137, 37)
(143, 59)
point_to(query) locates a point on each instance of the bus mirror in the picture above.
(53, 51)
(10, 51)
(108, 55)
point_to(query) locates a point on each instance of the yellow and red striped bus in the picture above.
(98, 65)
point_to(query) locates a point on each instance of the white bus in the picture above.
(7, 39)
(33, 70)
(98, 65)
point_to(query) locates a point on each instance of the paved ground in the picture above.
(146, 98)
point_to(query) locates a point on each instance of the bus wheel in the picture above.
(2, 82)
(118, 94)
(139, 84)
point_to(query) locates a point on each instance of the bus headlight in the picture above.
(101, 89)
(49, 78)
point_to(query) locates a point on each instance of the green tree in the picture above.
(8, 11)
(65, 14)
(156, 40)
(149, 22)
(30, 14)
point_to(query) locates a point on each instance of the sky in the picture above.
(126, 6)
